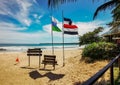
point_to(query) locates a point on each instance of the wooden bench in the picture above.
(49, 59)
(34, 52)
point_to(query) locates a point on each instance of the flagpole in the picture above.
(63, 40)
(52, 34)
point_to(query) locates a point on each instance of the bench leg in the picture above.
(44, 66)
(54, 66)
(28, 60)
(39, 61)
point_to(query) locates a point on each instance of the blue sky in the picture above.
(29, 21)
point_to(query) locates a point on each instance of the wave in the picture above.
(25, 47)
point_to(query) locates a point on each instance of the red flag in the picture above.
(70, 26)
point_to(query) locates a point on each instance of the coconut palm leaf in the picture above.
(56, 3)
(116, 13)
(110, 4)
(116, 16)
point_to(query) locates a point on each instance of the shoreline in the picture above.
(25, 47)
(12, 49)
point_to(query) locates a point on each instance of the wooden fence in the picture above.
(95, 77)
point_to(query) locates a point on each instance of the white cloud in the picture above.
(17, 9)
(4, 9)
(10, 33)
(37, 18)
(22, 15)
(34, 1)
(83, 27)
(8, 36)
(35, 15)
(10, 26)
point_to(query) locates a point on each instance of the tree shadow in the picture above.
(52, 76)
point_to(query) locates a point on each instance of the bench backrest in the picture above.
(49, 57)
(34, 52)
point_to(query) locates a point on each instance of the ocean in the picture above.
(24, 47)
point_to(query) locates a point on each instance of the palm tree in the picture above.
(116, 13)
(56, 3)
(115, 5)
(110, 4)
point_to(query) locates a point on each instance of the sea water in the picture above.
(24, 47)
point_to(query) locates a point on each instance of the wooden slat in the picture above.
(50, 56)
(34, 51)
(49, 59)
(31, 54)
(49, 62)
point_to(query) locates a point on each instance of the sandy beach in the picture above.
(74, 72)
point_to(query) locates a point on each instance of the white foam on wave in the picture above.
(25, 48)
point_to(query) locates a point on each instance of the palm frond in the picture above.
(104, 6)
(56, 3)
(99, 0)
(116, 8)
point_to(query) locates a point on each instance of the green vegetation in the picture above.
(91, 37)
(99, 50)
(116, 76)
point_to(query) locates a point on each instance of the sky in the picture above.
(29, 21)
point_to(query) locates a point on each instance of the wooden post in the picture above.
(29, 61)
(39, 61)
(119, 64)
(111, 75)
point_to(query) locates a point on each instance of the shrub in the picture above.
(91, 37)
(99, 50)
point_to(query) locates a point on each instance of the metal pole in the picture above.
(52, 33)
(63, 40)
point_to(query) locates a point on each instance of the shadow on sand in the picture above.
(52, 76)
(27, 67)
(35, 74)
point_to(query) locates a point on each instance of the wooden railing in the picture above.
(95, 77)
